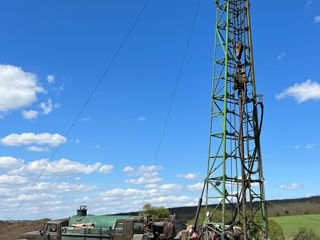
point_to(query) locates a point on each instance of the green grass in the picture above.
(291, 224)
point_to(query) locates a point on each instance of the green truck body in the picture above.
(89, 227)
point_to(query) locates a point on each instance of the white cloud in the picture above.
(309, 146)
(293, 186)
(171, 199)
(195, 187)
(62, 167)
(97, 146)
(51, 199)
(144, 174)
(14, 139)
(143, 180)
(302, 92)
(17, 88)
(7, 163)
(31, 114)
(32, 197)
(311, 195)
(317, 19)
(63, 187)
(128, 169)
(131, 193)
(188, 176)
(48, 107)
(38, 149)
(106, 169)
(7, 192)
(143, 170)
(77, 178)
(142, 118)
(77, 141)
(282, 55)
(152, 185)
(296, 147)
(12, 180)
(50, 78)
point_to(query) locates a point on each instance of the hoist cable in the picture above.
(84, 106)
(186, 50)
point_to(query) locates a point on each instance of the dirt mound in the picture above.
(12, 230)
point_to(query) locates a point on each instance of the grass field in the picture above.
(291, 224)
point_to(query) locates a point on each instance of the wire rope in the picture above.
(178, 80)
(84, 106)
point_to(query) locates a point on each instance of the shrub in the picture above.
(155, 212)
(275, 231)
(306, 234)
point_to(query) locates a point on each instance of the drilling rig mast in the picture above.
(234, 172)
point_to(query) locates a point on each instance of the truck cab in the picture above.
(50, 231)
(125, 229)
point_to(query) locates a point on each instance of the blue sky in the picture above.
(52, 55)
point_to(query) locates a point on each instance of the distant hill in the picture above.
(283, 207)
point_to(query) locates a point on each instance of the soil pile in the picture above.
(12, 230)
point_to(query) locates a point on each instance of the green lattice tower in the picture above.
(234, 175)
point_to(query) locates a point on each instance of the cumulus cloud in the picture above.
(144, 174)
(188, 176)
(17, 88)
(12, 180)
(50, 78)
(7, 163)
(52, 195)
(293, 186)
(63, 187)
(38, 149)
(170, 187)
(152, 185)
(134, 194)
(128, 169)
(171, 199)
(302, 92)
(31, 114)
(317, 19)
(106, 169)
(32, 197)
(195, 187)
(14, 139)
(130, 199)
(62, 167)
(143, 180)
(142, 170)
(48, 107)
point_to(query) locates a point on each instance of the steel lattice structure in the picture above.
(234, 172)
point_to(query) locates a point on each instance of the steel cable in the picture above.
(186, 50)
(84, 106)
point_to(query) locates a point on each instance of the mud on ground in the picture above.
(12, 230)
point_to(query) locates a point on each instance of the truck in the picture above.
(51, 230)
(110, 227)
